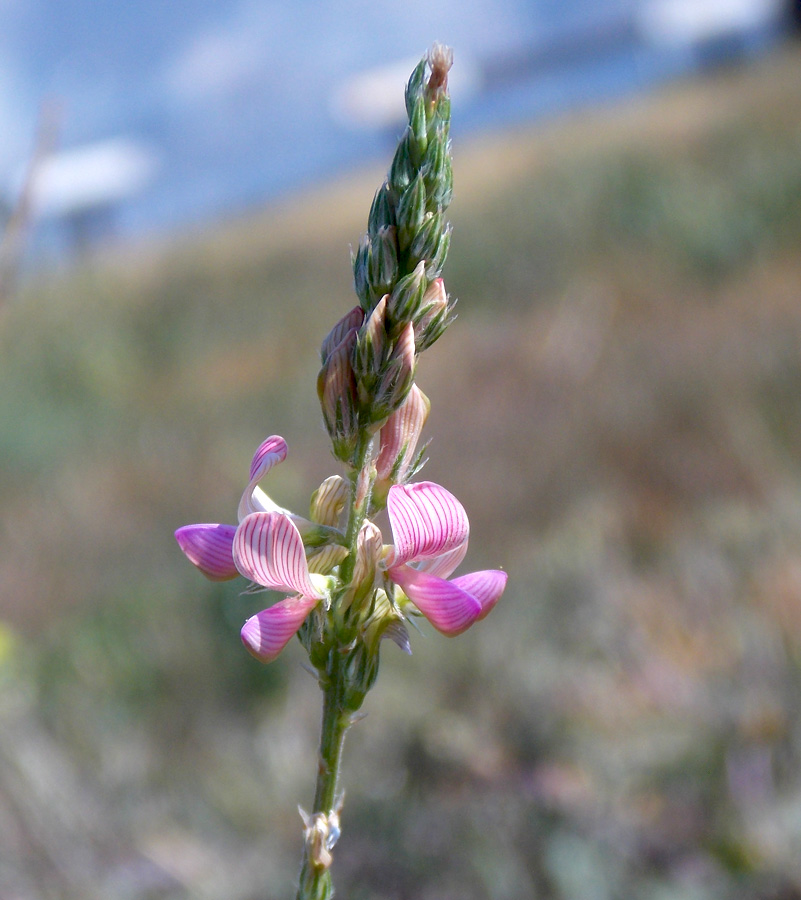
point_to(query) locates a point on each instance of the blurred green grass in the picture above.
(618, 408)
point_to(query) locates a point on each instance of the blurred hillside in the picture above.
(618, 406)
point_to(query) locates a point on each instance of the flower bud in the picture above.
(398, 375)
(360, 670)
(411, 210)
(435, 263)
(328, 501)
(361, 273)
(418, 131)
(383, 265)
(425, 243)
(325, 560)
(398, 459)
(404, 301)
(415, 86)
(401, 172)
(382, 211)
(336, 388)
(368, 552)
(371, 344)
(433, 317)
(334, 338)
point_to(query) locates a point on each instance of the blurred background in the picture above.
(618, 406)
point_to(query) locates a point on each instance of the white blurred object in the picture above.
(696, 21)
(84, 178)
(374, 99)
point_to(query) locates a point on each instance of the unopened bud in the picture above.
(334, 338)
(402, 171)
(325, 560)
(371, 344)
(425, 244)
(398, 440)
(328, 501)
(404, 301)
(368, 552)
(398, 375)
(434, 316)
(435, 262)
(383, 266)
(418, 131)
(336, 388)
(415, 86)
(411, 210)
(361, 273)
(382, 211)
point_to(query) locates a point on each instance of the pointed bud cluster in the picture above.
(407, 236)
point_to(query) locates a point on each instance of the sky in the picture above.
(234, 97)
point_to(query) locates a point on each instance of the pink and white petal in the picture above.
(255, 500)
(267, 633)
(486, 587)
(426, 521)
(268, 549)
(444, 565)
(447, 607)
(209, 547)
(269, 453)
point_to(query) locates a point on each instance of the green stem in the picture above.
(315, 877)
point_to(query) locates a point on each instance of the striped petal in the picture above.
(444, 564)
(269, 453)
(267, 633)
(268, 549)
(486, 587)
(426, 521)
(449, 608)
(209, 547)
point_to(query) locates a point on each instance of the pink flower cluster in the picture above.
(429, 530)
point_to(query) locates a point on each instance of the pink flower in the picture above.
(268, 549)
(210, 546)
(430, 532)
(265, 547)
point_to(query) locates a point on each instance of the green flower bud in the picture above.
(415, 86)
(382, 211)
(411, 210)
(402, 170)
(405, 299)
(418, 131)
(427, 240)
(437, 261)
(383, 268)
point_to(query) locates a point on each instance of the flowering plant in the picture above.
(347, 589)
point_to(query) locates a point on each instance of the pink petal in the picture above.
(486, 587)
(268, 549)
(209, 547)
(267, 633)
(443, 566)
(426, 521)
(270, 453)
(447, 607)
